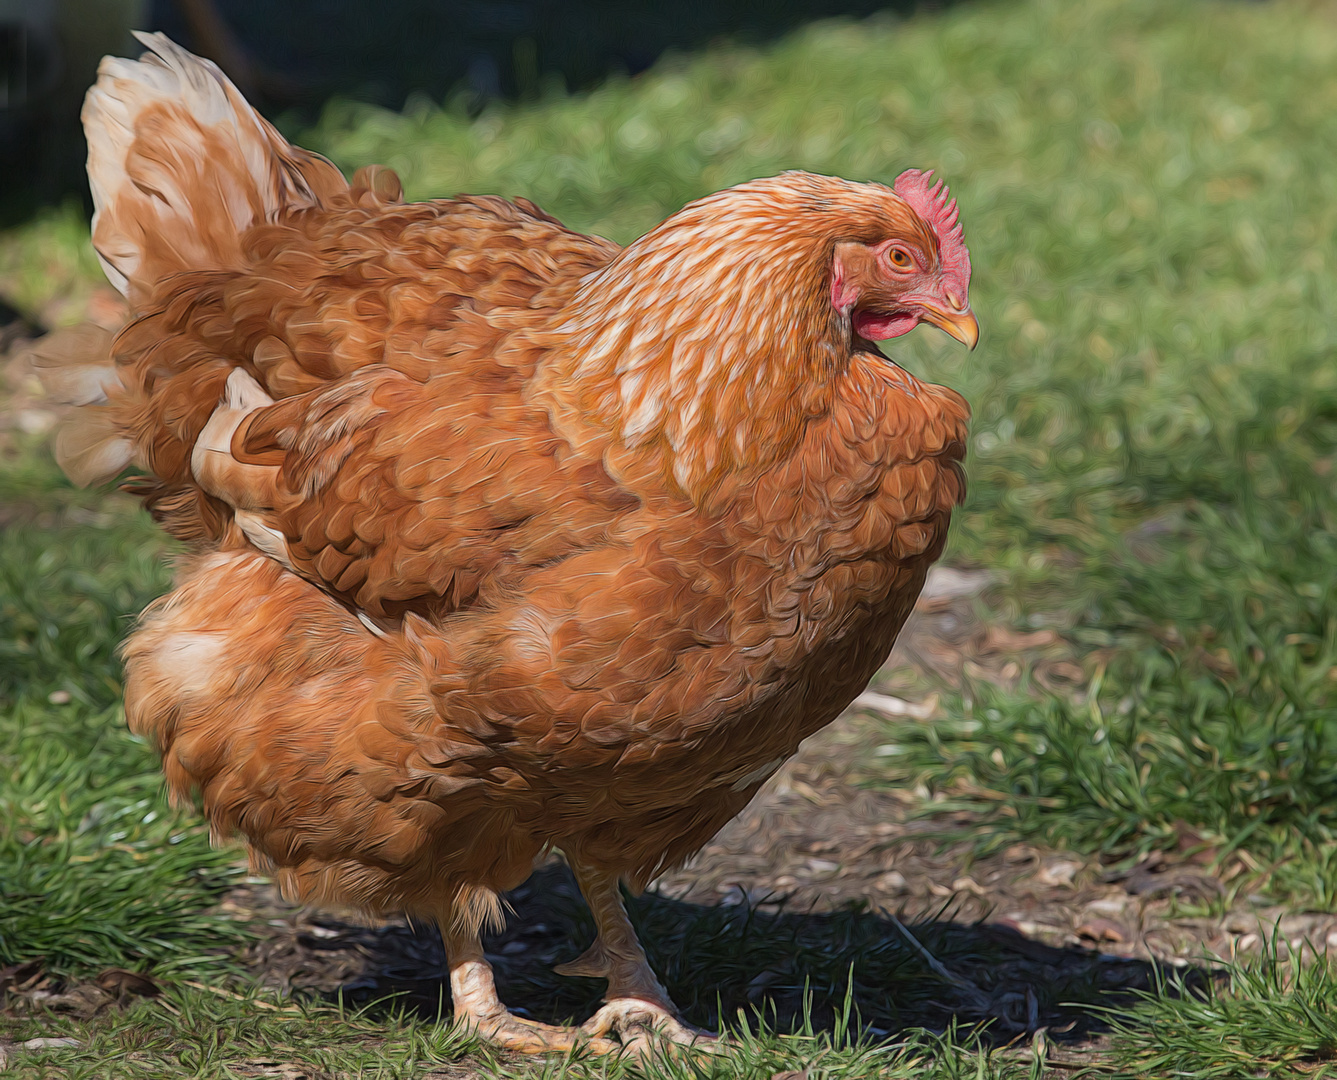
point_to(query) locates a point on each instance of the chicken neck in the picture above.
(702, 350)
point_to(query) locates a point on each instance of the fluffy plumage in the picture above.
(507, 538)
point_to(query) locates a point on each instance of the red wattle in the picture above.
(879, 327)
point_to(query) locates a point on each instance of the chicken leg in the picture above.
(637, 1005)
(477, 1006)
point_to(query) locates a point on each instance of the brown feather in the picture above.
(540, 542)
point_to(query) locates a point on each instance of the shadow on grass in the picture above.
(720, 960)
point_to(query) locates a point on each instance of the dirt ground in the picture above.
(822, 871)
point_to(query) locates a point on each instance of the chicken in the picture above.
(504, 539)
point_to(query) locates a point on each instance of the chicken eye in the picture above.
(900, 258)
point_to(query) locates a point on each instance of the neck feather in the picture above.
(701, 352)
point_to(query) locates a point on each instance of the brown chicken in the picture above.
(506, 539)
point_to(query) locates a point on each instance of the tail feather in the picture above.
(75, 364)
(180, 166)
(92, 450)
(75, 368)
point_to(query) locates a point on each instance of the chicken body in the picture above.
(506, 538)
(553, 657)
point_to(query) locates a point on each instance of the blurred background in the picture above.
(290, 58)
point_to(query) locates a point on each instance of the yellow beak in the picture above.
(962, 325)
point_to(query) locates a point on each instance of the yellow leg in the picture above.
(638, 1007)
(477, 1006)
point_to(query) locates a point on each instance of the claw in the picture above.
(639, 1012)
(510, 1032)
(478, 1009)
(639, 1024)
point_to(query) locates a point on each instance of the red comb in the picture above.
(936, 206)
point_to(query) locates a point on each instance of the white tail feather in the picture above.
(75, 364)
(75, 368)
(92, 450)
(180, 165)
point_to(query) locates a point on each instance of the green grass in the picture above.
(98, 869)
(1149, 191)
(48, 268)
(1162, 756)
(182, 1034)
(1269, 1018)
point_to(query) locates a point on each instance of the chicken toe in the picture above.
(510, 1032)
(638, 1024)
(477, 1007)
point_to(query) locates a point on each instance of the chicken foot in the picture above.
(637, 1007)
(474, 993)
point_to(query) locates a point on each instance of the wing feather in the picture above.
(400, 495)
